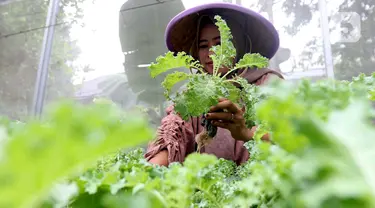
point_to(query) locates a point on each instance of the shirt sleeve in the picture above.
(174, 135)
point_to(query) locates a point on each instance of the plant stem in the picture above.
(230, 71)
(199, 69)
(232, 80)
(216, 67)
(196, 65)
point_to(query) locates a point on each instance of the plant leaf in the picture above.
(203, 91)
(359, 144)
(252, 60)
(40, 154)
(169, 61)
(172, 79)
(224, 53)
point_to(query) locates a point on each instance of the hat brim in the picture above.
(181, 30)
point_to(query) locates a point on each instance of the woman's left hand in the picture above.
(232, 119)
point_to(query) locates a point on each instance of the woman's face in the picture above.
(209, 36)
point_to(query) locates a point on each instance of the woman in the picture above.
(194, 32)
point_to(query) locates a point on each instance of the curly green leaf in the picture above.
(40, 154)
(173, 79)
(203, 91)
(225, 52)
(252, 60)
(169, 61)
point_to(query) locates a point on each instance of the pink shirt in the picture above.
(178, 137)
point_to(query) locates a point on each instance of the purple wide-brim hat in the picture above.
(182, 29)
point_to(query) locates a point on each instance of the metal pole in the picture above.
(42, 75)
(326, 39)
(269, 10)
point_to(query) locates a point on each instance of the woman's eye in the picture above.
(203, 46)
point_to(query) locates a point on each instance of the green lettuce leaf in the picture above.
(224, 53)
(42, 153)
(169, 61)
(252, 60)
(172, 79)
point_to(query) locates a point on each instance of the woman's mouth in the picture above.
(209, 66)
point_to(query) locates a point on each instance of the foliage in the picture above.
(70, 137)
(320, 154)
(319, 157)
(22, 26)
(350, 58)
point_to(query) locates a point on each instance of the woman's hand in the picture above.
(232, 119)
